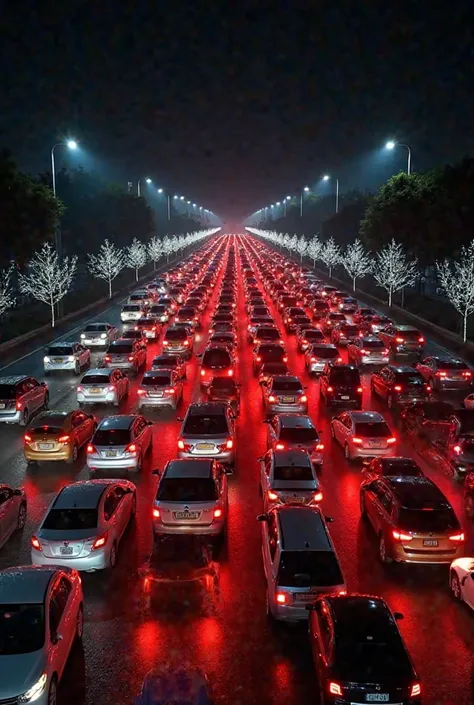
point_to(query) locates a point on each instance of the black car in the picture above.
(341, 385)
(427, 419)
(456, 446)
(399, 385)
(359, 653)
(388, 467)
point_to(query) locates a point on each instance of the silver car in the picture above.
(160, 388)
(41, 616)
(287, 431)
(84, 524)
(363, 434)
(102, 386)
(120, 442)
(318, 355)
(12, 512)
(191, 498)
(21, 397)
(284, 393)
(208, 431)
(368, 350)
(72, 357)
(99, 335)
(288, 477)
(132, 313)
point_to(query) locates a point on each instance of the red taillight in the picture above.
(165, 342)
(285, 359)
(181, 444)
(19, 406)
(131, 448)
(467, 374)
(415, 690)
(35, 543)
(391, 441)
(153, 328)
(280, 446)
(335, 688)
(427, 387)
(281, 598)
(229, 444)
(130, 358)
(421, 340)
(27, 438)
(91, 449)
(203, 372)
(217, 513)
(339, 359)
(320, 446)
(304, 341)
(272, 495)
(313, 359)
(156, 513)
(107, 358)
(259, 359)
(400, 340)
(357, 441)
(186, 342)
(457, 449)
(397, 388)
(230, 373)
(359, 390)
(318, 497)
(363, 352)
(400, 536)
(457, 537)
(272, 399)
(64, 439)
(303, 398)
(330, 389)
(136, 327)
(169, 391)
(441, 374)
(141, 392)
(100, 541)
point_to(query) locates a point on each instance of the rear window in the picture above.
(158, 310)
(402, 467)
(409, 334)
(132, 334)
(377, 429)
(60, 350)
(275, 368)
(336, 317)
(95, 379)
(156, 380)
(268, 333)
(452, 365)
(287, 385)
(313, 335)
(121, 349)
(321, 305)
(427, 520)
(7, 391)
(45, 431)
(131, 307)
(309, 568)
(216, 358)
(349, 330)
(373, 344)
(112, 437)
(212, 424)
(187, 489)
(325, 353)
(293, 472)
(223, 318)
(298, 435)
(344, 377)
(260, 311)
(187, 311)
(71, 519)
(372, 660)
(178, 334)
(168, 361)
(409, 378)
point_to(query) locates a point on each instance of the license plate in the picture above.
(295, 500)
(88, 341)
(187, 515)
(45, 446)
(155, 394)
(58, 359)
(2, 406)
(377, 697)
(304, 596)
(345, 397)
(288, 400)
(111, 454)
(95, 390)
(205, 446)
(66, 550)
(374, 444)
(430, 542)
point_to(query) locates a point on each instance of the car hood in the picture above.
(18, 672)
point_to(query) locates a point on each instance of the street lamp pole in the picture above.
(169, 206)
(138, 186)
(305, 190)
(391, 145)
(326, 178)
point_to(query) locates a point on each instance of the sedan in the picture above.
(99, 335)
(174, 362)
(84, 524)
(385, 467)
(268, 352)
(120, 442)
(150, 327)
(363, 434)
(71, 357)
(160, 388)
(443, 373)
(306, 337)
(288, 477)
(102, 386)
(318, 355)
(284, 393)
(367, 351)
(398, 385)
(58, 436)
(12, 512)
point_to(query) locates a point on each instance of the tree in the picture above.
(155, 250)
(330, 254)
(357, 262)
(136, 256)
(167, 247)
(302, 247)
(107, 264)
(48, 279)
(393, 271)
(457, 281)
(314, 249)
(7, 300)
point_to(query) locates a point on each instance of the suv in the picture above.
(288, 477)
(295, 431)
(299, 560)
(126, 355)
(403, 340)
(120, 442)
(368, 350)
(66, 356)
(98, 334)
(284, 393)
(358, 652)
(21, 397)
(178, 341)
(413, 520)
(399, 385)
(340, 384)
(130, 313)
(160, 388)
(216, 361)
(191, 498)
(318, 355)
(208, 431)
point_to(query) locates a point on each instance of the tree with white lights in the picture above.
(393, 270)
(302, 247)
(107, 264)
(293, 243)
(314, 249)
(7, 300)
(155, 250)
(136, 256)
(167, 247)
(330, 255)
(357, 262)
(457, 281)
(48, 279)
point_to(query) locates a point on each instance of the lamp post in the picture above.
(391, 145)
(326, 177)
(288, 198)
(305, 190)
(138, 185)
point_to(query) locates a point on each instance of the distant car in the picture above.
(443, 373)
(284, 393)
(150, 327)
(403, 340)
(268, 352)
(208, 431)
(398, 385)
(348, 305)
(288, 477)
(363, 434)
(216, 361)
(332, 320)
(13, 505)
(271, 369)
(131, 313)
(126, 355)
(178, 341)
(120, 442)
(70, 357)
(21, 396)
(99, 335)
(306, 337)
(344, 333)
(286, 431)
(182, 685)
(341, 385)
(318, 355)
(41, 617)
(102, 386)
(58, 436)
(175, 362)
(224, 389)
(158, 388)
(367, 350)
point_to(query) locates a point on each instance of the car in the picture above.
(143, 297)
(403, 340)
(41, 618)
(444, 373)
(427, 420)
(159, 312)
(84, 524)
(58, 436)
(413, 520)
(178, 341)
(191, 498)
(388, 467)
(120, 442)
(299, 560)
(13, 507)
(216, 361)
(288, 477)
(130, 313)
(66, 356)
(158, 388)
(284, 393)
(341, 385)
(290, 313)
(271, 369)
(268, 352)
(461, 580)
(126, 355)
(348, 304)
(327, 290)
(455, 445)
(227, 340)
(188, 314)
(374, 324)
(175, 362)
(102, 386)
(267, 334)
(358, 652)
(319, 309)
(399, 385)
(363, 434)
(208, 430)
(318, 355)
(224, 389)
(21, 396)
(150, 327)
(363, 314)
(287, 431)
(332, 320)
(368, 350)
(136, 334)
(98, 335)
(306, 337)
(255, 322)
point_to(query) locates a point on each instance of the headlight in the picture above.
(71, 358)
(83, 335)
(46, 359)
(103, 335)
(35, 691)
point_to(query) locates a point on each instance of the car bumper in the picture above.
(226, 457)
(96, 560)
(289, 613)
(12, 416)
(120, 365)
(158, 402)
(371, 452)
(355, 402)
(109, 398)
(47, 456)
(95, 463)
(280, 408)
(315, 367)
(58, 366)
(95, 342)
(401, 350)
(374, 360)
(214, 529)
(405, 554)
(454, 384)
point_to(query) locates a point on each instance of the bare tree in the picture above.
(7, 300)
(314, 249)
(357, 262)
(393, 271)
(457, 281)
(330, 255)
(48, 278)
(107, 264)
(167, 247)
(136, 256)
(155, 250)
(302, 247)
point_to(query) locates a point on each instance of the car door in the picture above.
(35, 394)
(141, 433)
(266, 472)
(123, 499)
(8, 514)
(59, 623)
(110, 515)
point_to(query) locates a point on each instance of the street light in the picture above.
(288, 198)
(70, 144)
(138, 185)
(181, 198)
(326, 177)
(305, 190)
(391, 145)
(160, 190)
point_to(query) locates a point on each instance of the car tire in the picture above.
(46, 401)
(53, 691)
(455, 586)
(21, 520)
(383, 551)
(347, 453)
(25, 418)
(79, 624)
(74, 455)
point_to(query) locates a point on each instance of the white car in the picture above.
(132, 313)
(99, 335)
(41, 616)
(461, 580)
(72, 357)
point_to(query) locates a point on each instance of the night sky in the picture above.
(238, 104)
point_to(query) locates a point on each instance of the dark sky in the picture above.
(236, 104)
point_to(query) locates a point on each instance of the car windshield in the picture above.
(290, 385)
(95, 327)
(427, 519)
(178, 334)
(298, 473)
(161, 380)
(111, 437)
(372, 429)
(298, 434)
(325, 353)
(216, 358)
(187, 489)
(71, 519)
(22, 629)
(212, 424)
(120, 349)
(95, 379)
(7, 391)
(45, 431)
(309, 568)
(372, 660)
(60, 350)
(372, 344)
(344, 376)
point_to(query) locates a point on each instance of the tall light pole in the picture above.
(138, 185)
(305, 190)
(70, 144)
(391, 145)
(326, 177)
(168, 203)
(288, 198)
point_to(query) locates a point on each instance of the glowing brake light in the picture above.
(141, 392)
(281, 598)
(280, 446)
(230, 373)
(229, 444)
(64, 439)
(359, 390)
(339, 359)
(428, 387)
(100, 541)
(186, 342)
(131, 448)
(391, 441)
(457, 449)
(35, 543)
(107, 358)
(330, 389)
(130, 358)
(285, 359)
(156, 513)
(272, 399)
(318, 497)
(313, 359)
(421, 340)
(272, 495)
(217, 513)
(27, 438)
(397, 388)
(357, 441)
(19, 405)
(170, 390)
(415, 690)
(467, 374)
(457, 537)
(303, 398)
(441, 374)
(363, 352)
(400, 536)
(399, 340)
(91, 448)
(181, 444)
(335, 688)
(320, 446)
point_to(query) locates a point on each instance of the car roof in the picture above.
(13, 379)
(117, 422)
(303, 528)
(105, 371)
(361, 617)
(83, 495)
(403, 369)
(49, 418)
(121, 341)
(25, 584)
(212, 407)
(295, 420)
(296, 457)
(366, 416)
(416, 492)
(286, 379)
(191, 467)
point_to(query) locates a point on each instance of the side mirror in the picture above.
(398, 616)
(156, 472)
(262, 517)
(17, 493)
(329, 520)
(56, 638)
